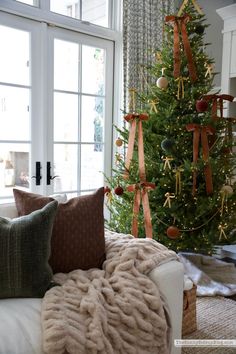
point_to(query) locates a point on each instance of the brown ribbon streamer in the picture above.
(133, 118)
(140, 190)
(180, 27)
(200, 131)
(218, 101)
(141, 194)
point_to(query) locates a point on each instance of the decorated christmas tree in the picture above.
(186, 173)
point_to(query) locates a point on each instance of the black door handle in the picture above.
(49, 177)
(38, 174)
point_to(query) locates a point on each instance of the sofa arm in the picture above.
(169, 278)
(8, 210)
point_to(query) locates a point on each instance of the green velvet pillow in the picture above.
(24, 253)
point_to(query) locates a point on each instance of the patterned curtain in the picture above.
(143, 22)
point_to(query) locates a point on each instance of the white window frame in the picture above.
(43, 14)
(45, 18)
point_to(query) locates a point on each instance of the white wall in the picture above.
(214, 31)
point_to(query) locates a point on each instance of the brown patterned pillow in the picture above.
(78, 231)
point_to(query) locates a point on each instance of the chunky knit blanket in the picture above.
(117, 309)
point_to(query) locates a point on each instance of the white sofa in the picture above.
(20, 325)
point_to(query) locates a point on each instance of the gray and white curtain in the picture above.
(143, 22)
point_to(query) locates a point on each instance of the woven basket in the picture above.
(189, 323)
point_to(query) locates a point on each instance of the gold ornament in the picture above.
(180, 92)
(118, 158)
(209, 69)
(185, 3)
(178, 186)
(222, 232)
(153, 104)
(119, 142)
(168, 196)
(226, 191)
(109, 197)
(108, 194)
(158, 56)
(167, 162)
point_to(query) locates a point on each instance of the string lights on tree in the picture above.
(188, 145)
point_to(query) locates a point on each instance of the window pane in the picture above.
(92, 125)
(93, 70)
(14, 113)
(95, 11)
(65, 166)
(91, 166)
(66, 7)
(87, 193)
(14, 167)
(14, 58)
(71, 195)
(65, 117)
(66, 62)
(29, 2)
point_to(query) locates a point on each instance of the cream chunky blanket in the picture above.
(114, 310)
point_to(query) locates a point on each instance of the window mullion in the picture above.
(80, 9)
(79, 117)
(44, 5)
(49, 107)
(39, 104)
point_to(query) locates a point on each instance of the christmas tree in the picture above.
(188, 147)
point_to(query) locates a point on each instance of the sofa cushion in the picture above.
(24, 253)
(28, 202)
(78, 233)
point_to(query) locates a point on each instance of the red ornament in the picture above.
(173, 232)
(201, 106)
(226, 150)
(119, 190)
(107, 190)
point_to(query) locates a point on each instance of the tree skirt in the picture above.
(216, 319)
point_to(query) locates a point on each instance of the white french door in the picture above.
(80, 101)
(55, 108)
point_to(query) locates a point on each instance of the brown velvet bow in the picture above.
(141, 189)
(218, 101)
(180, 27)
(201, 131)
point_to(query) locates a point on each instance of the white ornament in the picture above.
(227, 190)
(162, 82)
